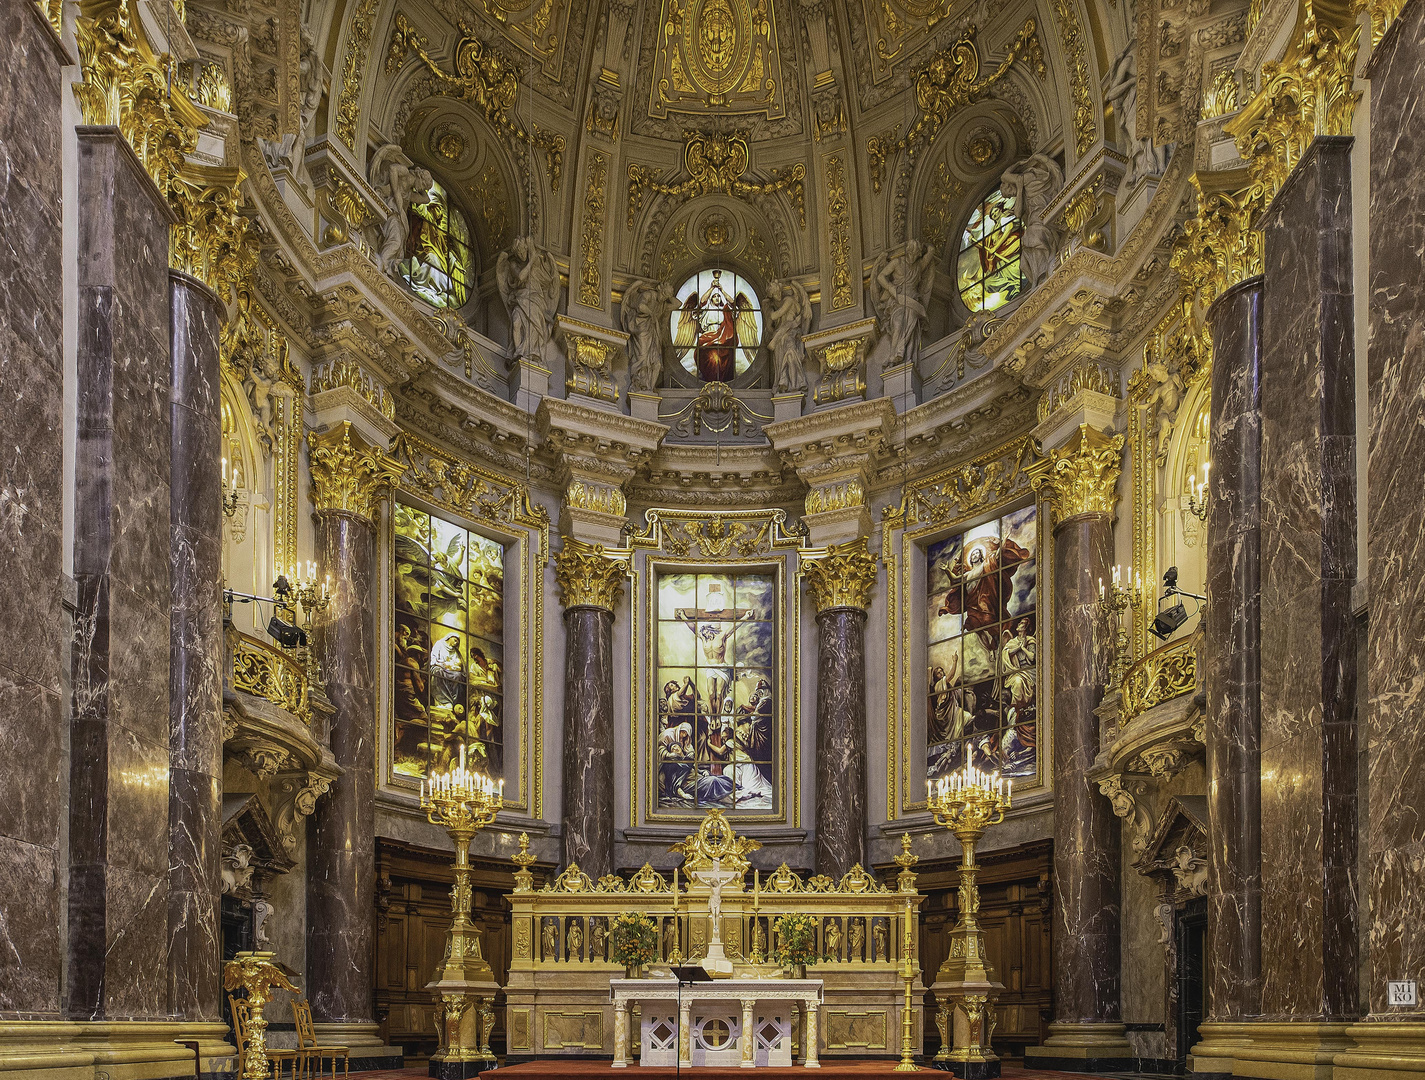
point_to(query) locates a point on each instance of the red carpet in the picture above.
(580, 1070)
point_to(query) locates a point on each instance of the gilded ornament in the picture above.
(213, 88)
(983, 146)
(838, 225)
(717, 56)
(353, 71)
(716, 164)
(591, 367)
(587, 577)
(266, 672)
(956, 493)
(349, 475)
(489, 199)
(939, 213)
(258, 974)
(838, 496)
(482, 76)
(536, 26)
(346, 372)
(1221, 96)
(843, 577)
(591, 291)
(1071, 38)
(1167, 672)
(1092, 375)
(716, 841)
(948, 83)
(449, 144)
(552, 143)
(1082, 476)
(843, 370)
(602, 498)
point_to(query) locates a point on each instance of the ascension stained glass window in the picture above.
(437, 262)
(988, 272)
(448, 643)
(983, 662)
(716, 742)
(716, 326)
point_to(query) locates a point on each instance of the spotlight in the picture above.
(1168, 620)
(285, 634)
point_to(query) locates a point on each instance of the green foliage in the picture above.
(634, 938)
(796, 939)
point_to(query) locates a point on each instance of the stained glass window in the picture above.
(983, 662)
(717, 325)
(448, 644)
(988, 272)
(716, 691)
(437, 263)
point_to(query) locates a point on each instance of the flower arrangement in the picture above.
(635, 939)
(796, 940)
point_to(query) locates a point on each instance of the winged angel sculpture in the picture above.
(712, 327)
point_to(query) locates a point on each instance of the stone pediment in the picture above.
(1177, 848)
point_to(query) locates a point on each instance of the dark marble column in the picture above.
(1087, 1033)
(840, 584)
(590, 585)
(1233, 658)
(32, 622)
(351, 476)
(1308, 530)
(840, 740)
(118, 873)
(195, 700)
(1396, 662)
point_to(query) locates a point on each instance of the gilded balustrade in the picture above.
(1168, 672)
(267, 672)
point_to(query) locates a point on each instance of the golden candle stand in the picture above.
(462, 802)
(967, 803)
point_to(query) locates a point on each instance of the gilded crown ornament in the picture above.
(1082, 476)
(349, 474)
(716, 840)
(587, 576)
(843, 577)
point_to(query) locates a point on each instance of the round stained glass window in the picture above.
(717, 325)
(987, 271)
(437, 263)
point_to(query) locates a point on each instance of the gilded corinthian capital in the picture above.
(843, 577)
(587, 576)
(349, 474)
(1081, 477)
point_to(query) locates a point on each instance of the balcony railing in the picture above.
(267, 672)
(1167, 672)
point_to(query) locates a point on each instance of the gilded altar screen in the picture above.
(982, 612)
(716, 743)
(448, 663)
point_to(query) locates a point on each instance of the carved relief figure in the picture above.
(1163, 401)
(598, 940)
(574, 941)
(900, 294)
(833, 938)
(857, 939)
(1191, 870)
(644, 312)
(878, 937)
(529, 285)
(549, 941)
(1144, 159)
(403, 185)
(670, 938)
(1032, 184)
(788, 319)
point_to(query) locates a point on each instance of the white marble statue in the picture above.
(787, 321)
(529, 285)
(1163, 401)
(1144, 159)
(1031, 185)
(644, 315)
(900, 294)
(403, 184)
(312, 73)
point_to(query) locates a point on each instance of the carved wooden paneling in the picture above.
(412, 917)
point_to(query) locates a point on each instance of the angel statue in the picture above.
(1031, 184)
(644, 315)
(790, 319)
(1144, 158)
(404, 185)
(712, 328)
(529, 286)
(900, 294)
(311, 77)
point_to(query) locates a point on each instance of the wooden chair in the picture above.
(307, 1042)
(242, 1014)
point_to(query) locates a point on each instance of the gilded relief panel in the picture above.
(717, 57)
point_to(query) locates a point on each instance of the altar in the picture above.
(727, 1022)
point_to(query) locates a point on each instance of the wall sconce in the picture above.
(1197, 494)
(1113, 600)
(230, 491)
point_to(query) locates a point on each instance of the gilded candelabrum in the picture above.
(1113, 600)
(906, 859)
(462, 802)
(967, 803)
(256, 973)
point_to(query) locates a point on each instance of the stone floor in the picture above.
(831, 1070)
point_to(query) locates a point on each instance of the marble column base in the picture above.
(458, 1070)
(364, 1042)
(1286, 1050)
(1383, 1049)
(1214, 1056)
(119, 1050)
(1083, 1048)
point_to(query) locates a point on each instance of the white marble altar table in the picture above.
(743, 1022)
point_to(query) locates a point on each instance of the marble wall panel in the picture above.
(32, 623)
(588, 808)
(1086, 833)
(1308, 558)
(840, 741)
(1396, 363)
(341, 844)
(118, 893)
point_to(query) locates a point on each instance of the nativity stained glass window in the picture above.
(437, 263)
(448, 646)
(716, 742)
(987, 270)
(717, 325)
(982, 617)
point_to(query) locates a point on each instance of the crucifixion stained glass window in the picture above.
(983, 657)
(716, 741)
(448, 646)
(987, 270)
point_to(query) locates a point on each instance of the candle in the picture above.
(756, 888)
(675, 888)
